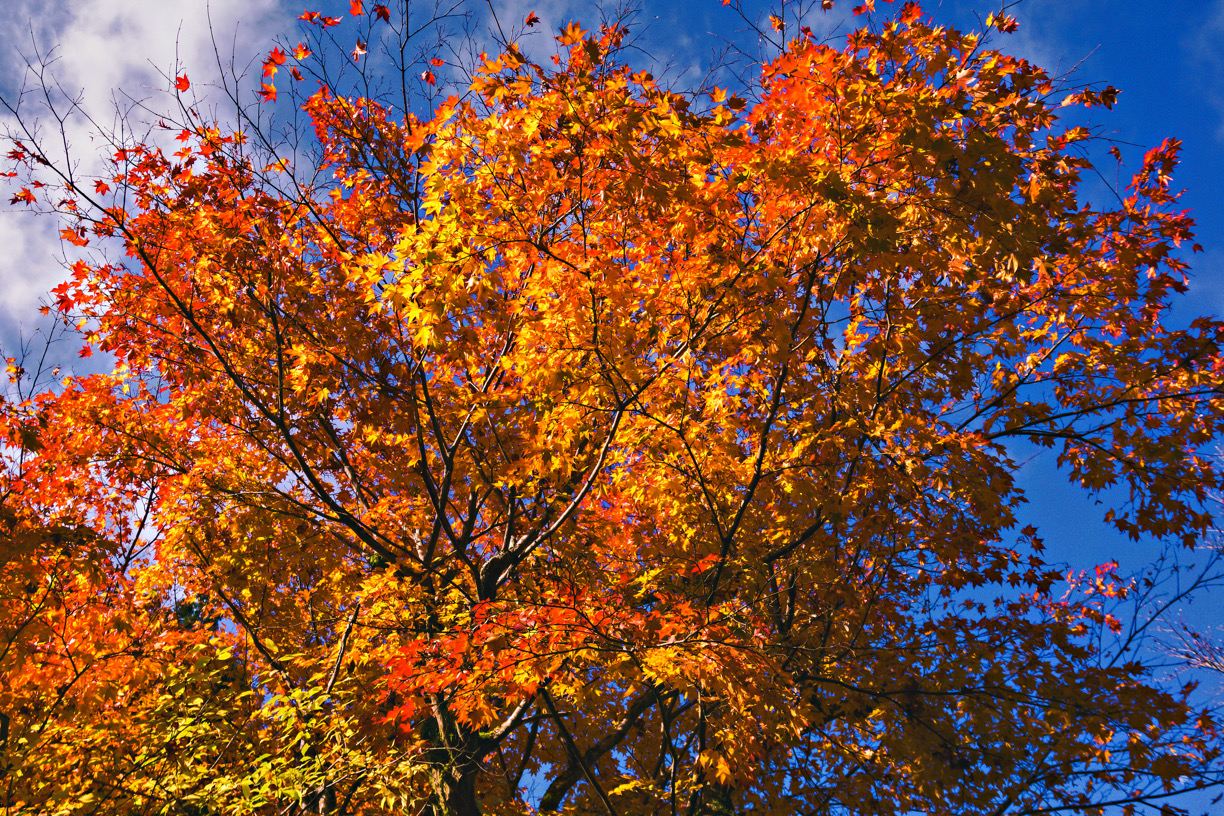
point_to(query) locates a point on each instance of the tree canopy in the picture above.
(590, 445)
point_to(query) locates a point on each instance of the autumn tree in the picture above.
(589, 446)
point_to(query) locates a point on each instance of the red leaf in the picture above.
(301, 52)
(182, 83)
(25, 195)
(268, 92)
(532, 19)
(275, 58)
(359, 51)
(315, 18)
(429, 78)
(355, 8)
(63, 301)
(101, 187)
(382, 13)
(437, 63)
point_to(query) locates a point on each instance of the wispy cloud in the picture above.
(109, 54)
(1202, 46)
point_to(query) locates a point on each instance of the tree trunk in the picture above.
(456, 792)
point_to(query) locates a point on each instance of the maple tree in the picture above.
(589, 446)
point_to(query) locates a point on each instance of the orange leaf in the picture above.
(572, 34)
(76, 237)
(275, 58)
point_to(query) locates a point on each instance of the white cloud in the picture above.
(109, 53)
(1204, 46)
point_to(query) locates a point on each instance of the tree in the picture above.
(657, 450)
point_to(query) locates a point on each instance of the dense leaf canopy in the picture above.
(594, 446)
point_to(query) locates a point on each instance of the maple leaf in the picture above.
(383, 13)
(182, 83)
(533, 19)
(572, 34)
(317, 18)
(428, 78)
(275, 59)
(76, 237)
(1003, 22)
(355, 8)
(267, 92)
(23, 196)
(300, 52)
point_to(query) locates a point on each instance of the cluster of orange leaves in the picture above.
(657, 446)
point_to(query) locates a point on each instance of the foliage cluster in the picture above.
(657, 449)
